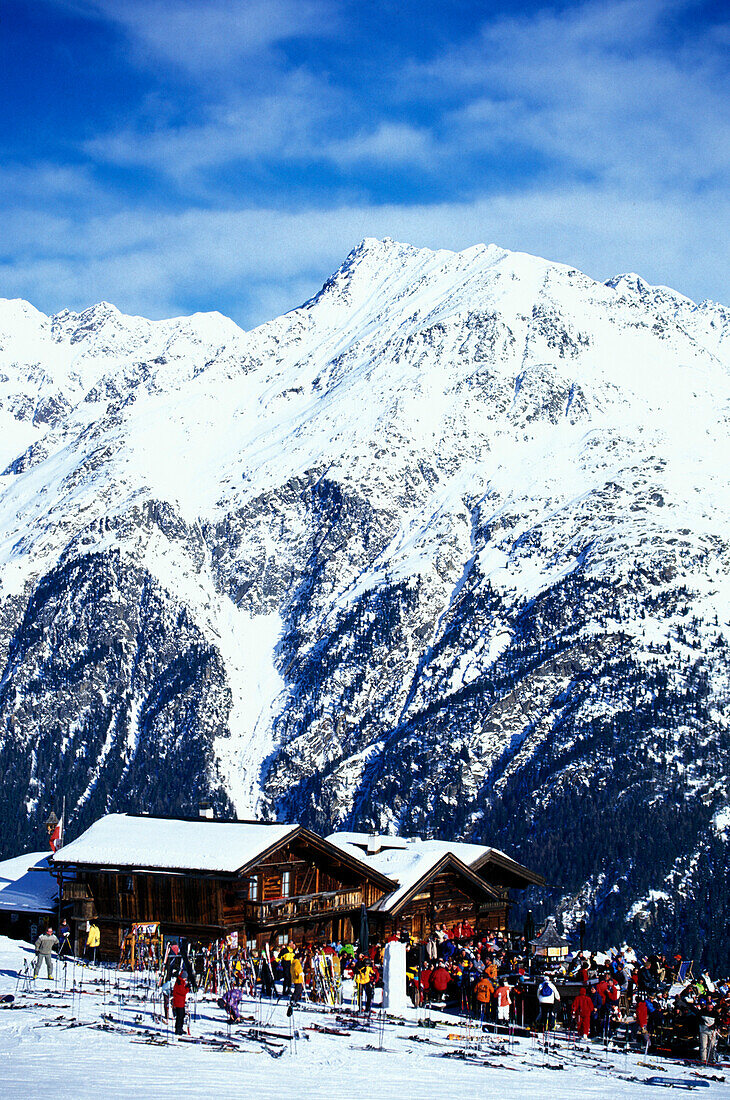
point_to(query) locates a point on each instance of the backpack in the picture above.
(546, 989)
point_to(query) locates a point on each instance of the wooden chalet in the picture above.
(439, 882)
(205, 879)
(440, 890)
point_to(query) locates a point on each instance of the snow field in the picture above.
(40, 1051)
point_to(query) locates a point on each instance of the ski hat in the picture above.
(174, 949)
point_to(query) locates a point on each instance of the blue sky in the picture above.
(175, 155)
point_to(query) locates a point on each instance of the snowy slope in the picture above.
(94, 1056)
(444, 550)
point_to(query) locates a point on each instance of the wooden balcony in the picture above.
(76, 891)
(493, 906)
(304, 907)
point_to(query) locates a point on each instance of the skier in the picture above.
(439, 981)
(93, 939)
(231, 1002)
(484, 991)
(503, 996)
(364, 979)
(44, 946)
(64, 933)
(582, 1011)
(643, 1008)
(180, 991)
(297, 977)
(547, 995)
(709, 1024)
(286, 956)
(266, 977)
(425, 982)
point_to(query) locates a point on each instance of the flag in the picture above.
(55, 837)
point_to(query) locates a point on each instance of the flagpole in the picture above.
(60, 873)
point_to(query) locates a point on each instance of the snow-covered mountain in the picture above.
(445, 550)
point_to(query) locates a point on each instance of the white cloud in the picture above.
(279, 125)
(593, 89)
(205, 37)
(583, 133)
(389, 143)
(252, 263)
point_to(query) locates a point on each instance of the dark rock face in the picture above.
(109, 695)
(443, 551)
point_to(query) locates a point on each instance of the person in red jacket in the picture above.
(439, 981)
(425, 982)
(582, 1011)
(642, 1021)
(180, 991)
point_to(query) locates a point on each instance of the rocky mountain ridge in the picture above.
(443, 551)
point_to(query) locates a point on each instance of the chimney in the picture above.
(206, 811)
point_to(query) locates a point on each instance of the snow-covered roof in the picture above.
(407, 868)
(406, 864)
(14, 868)
(369, 843)
(121, 840)
(25, 884)
(372, 847)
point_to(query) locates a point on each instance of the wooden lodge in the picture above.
(446, 892)
(206, 879)
(439, 882)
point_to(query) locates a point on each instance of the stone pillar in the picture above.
(395, 999)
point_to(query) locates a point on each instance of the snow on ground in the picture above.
(40, 1049)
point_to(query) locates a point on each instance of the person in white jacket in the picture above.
(548, 997)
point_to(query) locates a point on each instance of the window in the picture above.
(286, 884)
(253, 888)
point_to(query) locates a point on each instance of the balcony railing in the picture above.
(493, 906)
(303, 907)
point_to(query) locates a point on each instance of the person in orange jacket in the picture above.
(180, 992)
(484, 991)
(503, 997)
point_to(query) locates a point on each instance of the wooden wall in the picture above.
(176, 899)
(446, 900)
(204, 906)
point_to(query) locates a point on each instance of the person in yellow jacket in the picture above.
(297, 977)
(365, 981)
(286, 958)
(491, 972)
(93, 939)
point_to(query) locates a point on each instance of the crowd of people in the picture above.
(616, 996)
